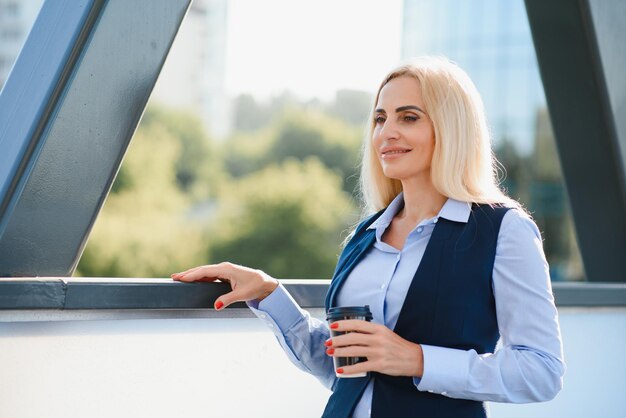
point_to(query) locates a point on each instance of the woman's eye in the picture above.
(410, 118)
(379, 119)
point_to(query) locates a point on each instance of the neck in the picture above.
(421, 200)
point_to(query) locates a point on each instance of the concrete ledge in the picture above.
(55, 293)
(589, 294)
(32, 294)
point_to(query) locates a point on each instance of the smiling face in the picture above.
(403, 137)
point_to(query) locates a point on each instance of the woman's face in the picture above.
(404, 139)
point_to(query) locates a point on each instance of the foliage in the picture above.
(286, 220)
(275, 195)
(172, 205)
(198, 168)
(140, 231)
(298, 133)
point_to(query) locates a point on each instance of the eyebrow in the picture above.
(402, 109)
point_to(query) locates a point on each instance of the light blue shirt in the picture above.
(527, 365)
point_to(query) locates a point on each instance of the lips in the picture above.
(400, 151)
(393, 151)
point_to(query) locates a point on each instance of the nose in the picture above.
(388, 131)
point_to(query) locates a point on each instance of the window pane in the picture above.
(249, 147)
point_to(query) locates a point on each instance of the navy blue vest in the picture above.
(449, 303)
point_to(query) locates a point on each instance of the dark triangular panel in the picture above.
(67, 114)
(582, 55)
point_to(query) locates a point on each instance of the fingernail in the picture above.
(328, 343)
(219, 304)
(340, 370)
(330, 351)
(334, 325)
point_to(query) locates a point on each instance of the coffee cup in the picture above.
(341, 313)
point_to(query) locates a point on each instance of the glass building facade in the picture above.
(491, 40)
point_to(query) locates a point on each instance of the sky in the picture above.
(312, 48)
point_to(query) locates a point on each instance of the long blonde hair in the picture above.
(463, 165)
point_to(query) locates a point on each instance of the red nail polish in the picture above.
(219, 304)
(328, 343)
(340, 370)
(334, 325)
(330, 351)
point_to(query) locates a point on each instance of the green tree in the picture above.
(244, 153)
(303, 134)
(172, 205)
(286, 219)
(142, 230)
(298, 134)
(198, 166)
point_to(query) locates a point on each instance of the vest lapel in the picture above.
(345, 397)
(356, 252)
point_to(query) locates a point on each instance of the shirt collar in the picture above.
(453, 210)
(385, 219)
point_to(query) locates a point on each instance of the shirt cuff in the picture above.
(445, 370)
(280, 307)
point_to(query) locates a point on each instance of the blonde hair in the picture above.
(463, 165)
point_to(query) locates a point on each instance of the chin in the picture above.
(394, 170)
(395, 174)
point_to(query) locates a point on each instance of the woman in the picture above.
(448, 265)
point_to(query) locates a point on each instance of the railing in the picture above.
(155, 352)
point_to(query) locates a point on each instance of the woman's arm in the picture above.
(301, 336)
(528, 366)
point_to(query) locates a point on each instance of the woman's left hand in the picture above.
(385, 350)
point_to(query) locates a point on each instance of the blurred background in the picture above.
(248, 150)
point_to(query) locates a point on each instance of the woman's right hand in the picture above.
(246, 283)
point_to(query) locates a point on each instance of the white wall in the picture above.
(595, 380)
(234, 368)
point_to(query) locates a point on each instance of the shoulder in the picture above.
(519, 236)
(514, 222)
(518, 221)
(512, 215)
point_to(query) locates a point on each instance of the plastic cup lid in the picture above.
(349, 311)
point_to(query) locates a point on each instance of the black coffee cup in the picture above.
(341, 313)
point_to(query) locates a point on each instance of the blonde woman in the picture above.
(448, 264)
